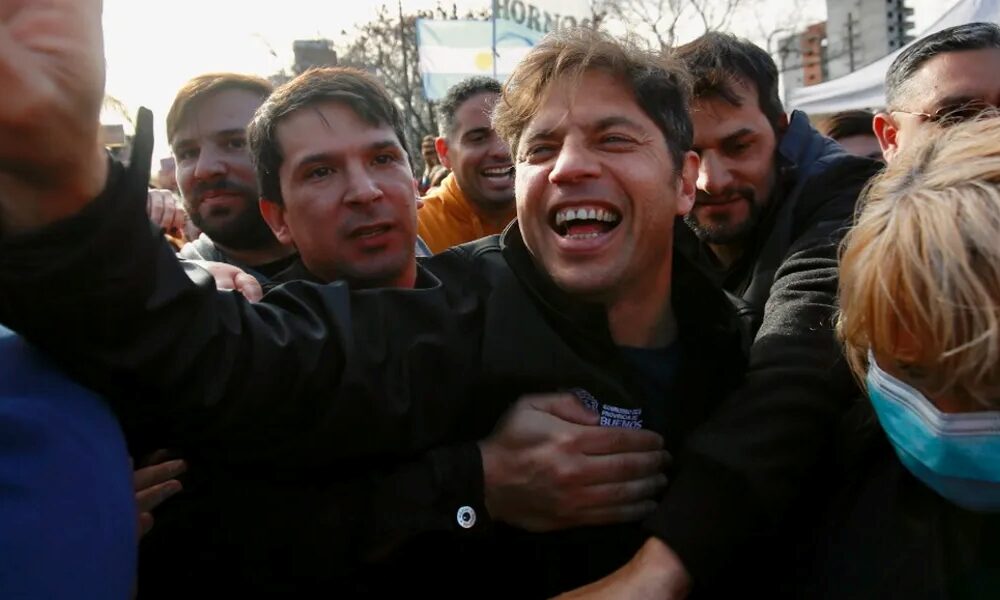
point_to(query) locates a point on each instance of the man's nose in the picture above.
(210, 164)
(361, 188)
(575, 161)
(499, 149)
(714, 176)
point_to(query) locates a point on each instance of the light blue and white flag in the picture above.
(451, 51)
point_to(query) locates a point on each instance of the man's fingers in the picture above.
(248, 286)
(149, 498)
(174, 215)
(154, 208)
(157, 457)
(145, 523)
(180, 218)
(615, 440)
(164, 210)
(154, 474)
(565, 406)
(612, 468)
(622, 493)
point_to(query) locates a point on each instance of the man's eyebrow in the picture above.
(220, 133)
(386, 143)
(477, 130)
(606, 122)
(615, 121)
(228, 132)
(319, 157)
(540, 134)
(730, 137)
(316, 157)
(738, 134)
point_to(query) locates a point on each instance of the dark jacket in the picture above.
(887, 535)
(203, 248)
(317, 390)
(759, 455)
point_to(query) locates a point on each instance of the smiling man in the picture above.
(206, 128)
(773, 199)
(477, 198)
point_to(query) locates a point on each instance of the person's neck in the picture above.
(727, 254)
(643, 316)
(404, 279)
(493, 216)
(255, 257)
(407, 278)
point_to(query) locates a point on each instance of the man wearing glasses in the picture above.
(945, 78)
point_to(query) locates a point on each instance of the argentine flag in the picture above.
(451, 51)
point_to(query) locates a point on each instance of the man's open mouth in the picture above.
(370, 231)
(585, 221)
(498, 172)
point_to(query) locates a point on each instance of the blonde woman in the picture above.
(920, 321)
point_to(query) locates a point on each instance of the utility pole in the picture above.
(850, 40)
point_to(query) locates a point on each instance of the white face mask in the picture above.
(955, 454)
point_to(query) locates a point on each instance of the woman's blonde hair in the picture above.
(920, 270)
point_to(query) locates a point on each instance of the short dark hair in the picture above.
(971, 36)
(847, 123)
(206, 85)
(456, 97)
(659, 83)
(719, 61)
(364, 94)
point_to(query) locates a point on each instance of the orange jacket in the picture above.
(447, 218)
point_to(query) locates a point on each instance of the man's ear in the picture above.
(687, 183)
(274, 216)
(886, 131)
(441, 145)
(781, 123)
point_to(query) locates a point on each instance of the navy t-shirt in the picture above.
(656, 370)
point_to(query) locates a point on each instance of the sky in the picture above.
(153, 46)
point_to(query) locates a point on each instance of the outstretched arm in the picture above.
(86, 278)
(52, 72)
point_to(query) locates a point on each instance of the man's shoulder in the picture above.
(27, 374)
(431, 204)
(440, 199)
(832, 188)
(480, 257)
(827, 180)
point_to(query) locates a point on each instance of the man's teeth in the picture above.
(497, 171)
(586, 214)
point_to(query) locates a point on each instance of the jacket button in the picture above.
(466, 517)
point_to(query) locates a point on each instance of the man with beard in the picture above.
(206, 128)
(477, 198)
(774, 197)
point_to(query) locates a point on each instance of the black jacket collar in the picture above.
(700, 306)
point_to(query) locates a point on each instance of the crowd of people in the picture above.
(635, 332)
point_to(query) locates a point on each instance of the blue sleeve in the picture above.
(67, 509)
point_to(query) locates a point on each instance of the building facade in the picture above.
(860, 32)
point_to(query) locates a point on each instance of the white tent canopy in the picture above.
(865, 88)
